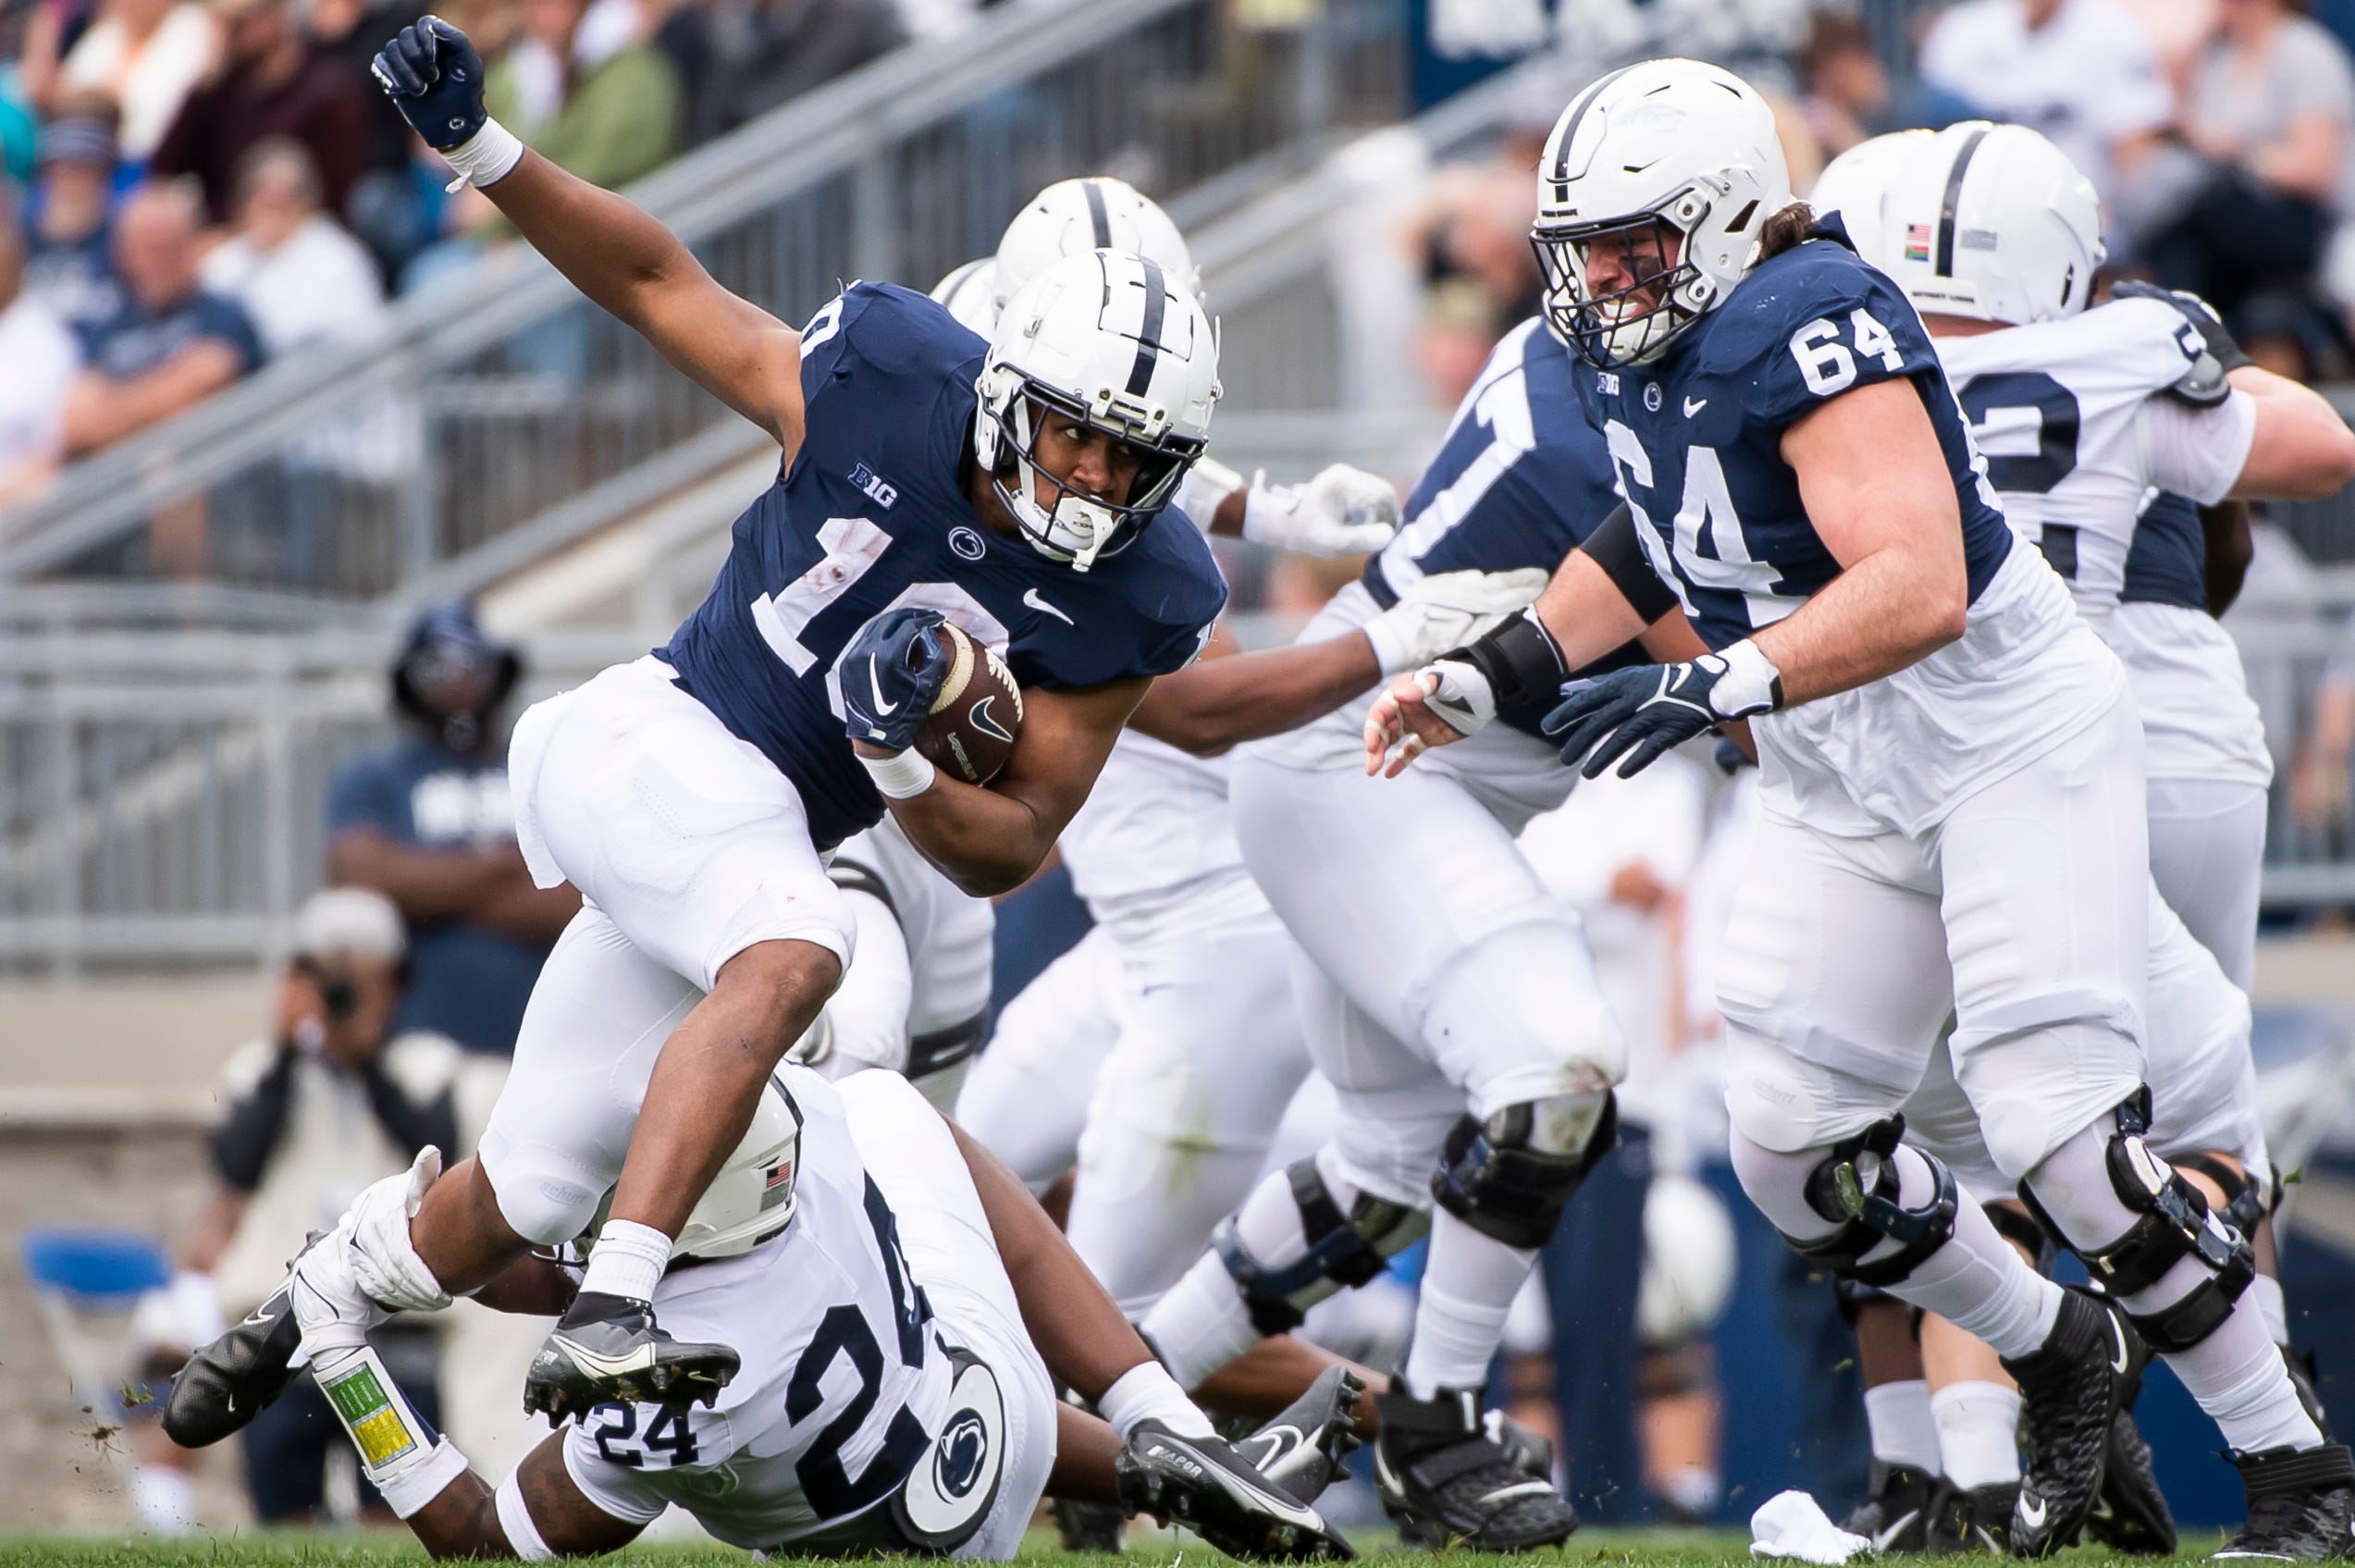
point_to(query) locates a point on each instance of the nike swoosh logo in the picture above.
(2032, 1512)
(1883, 1537)
(2119, 1362)
(1522, 1488)
(1694, 405)
(986, 723)
(872, 685)
(1278, 1443)
(638, 1360)
(1031, 597)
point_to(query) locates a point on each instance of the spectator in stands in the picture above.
(585, 90)
(387, 209)
(338, 1096)
(428, 823)
(270, 83)
(299, 277)
(765, 53)
(69, 266)
(2322, 803)
(2267, 114)
(146, 56)
(1849, 96)
(2081, 71)
(42, 358)
(170, 345)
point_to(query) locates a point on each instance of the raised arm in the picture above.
(608, 247)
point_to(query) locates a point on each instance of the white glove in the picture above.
(333, 1311)
(1343, 511)
(1460, 695)
(1446, 610)
(383, 1262)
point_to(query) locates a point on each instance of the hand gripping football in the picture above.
(975, 719)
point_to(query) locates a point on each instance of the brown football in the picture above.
(979, 713)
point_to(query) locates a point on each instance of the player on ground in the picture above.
(886, 1278)
(1447, 994)
(1952, 783)
(1015, 489)
(2083, 413)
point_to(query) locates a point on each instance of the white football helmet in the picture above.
(1073, 216)
(1111, 341)
(752, 1198)
(1668, 153)
(1991, 222)
(1857, 184)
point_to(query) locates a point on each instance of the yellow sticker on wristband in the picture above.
(373, 1420)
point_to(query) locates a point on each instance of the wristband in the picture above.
(1519, 659)
(487, 156)
(1751, 684)
(900, 776)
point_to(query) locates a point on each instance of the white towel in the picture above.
(1791, 1524)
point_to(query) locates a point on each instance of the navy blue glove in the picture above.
(1644, 712)
(891, 676)
(1730, 757)
(434, 78)
(2203, 316)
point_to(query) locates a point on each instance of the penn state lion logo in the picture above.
(943, 1503)
(961, 1458)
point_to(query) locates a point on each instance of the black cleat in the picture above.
(2072, 1387)
(1210, 1487)
(1973, 1523)
(1895, 1515)
(229, 1382)
(1440, 1469)
(2298, 1504)
(609, 1347)
(1087, 1527)
(1301, 1448)
(2131, 1512)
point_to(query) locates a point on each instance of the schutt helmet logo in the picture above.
(956, 1457)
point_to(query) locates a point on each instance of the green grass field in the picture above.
(1603, 1548)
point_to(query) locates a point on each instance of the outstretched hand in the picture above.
(434, 76)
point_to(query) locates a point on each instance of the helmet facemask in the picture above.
(1636, 321)
(1078, 527)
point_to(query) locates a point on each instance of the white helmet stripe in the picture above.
(1097, 216)
(1149, 335)
(1944, 265)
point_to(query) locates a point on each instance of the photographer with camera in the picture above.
(331, 1102)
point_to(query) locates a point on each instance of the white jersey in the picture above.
(844, 1382)
(938, 1003)
(2081, 438)
(1153, 853)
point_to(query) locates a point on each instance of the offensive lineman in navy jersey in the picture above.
(1014, 488)
(1443, 988)
(1951, 782)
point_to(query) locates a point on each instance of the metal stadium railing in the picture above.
(502, 403)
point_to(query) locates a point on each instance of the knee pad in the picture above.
(543, 1194)
(1343, 1249)
(1857, 1187)
(2248, 1199)
(1509, 1176)
(2172, 1222)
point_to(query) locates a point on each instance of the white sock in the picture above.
(628, 1260)
(1978, 1283)
(1978, 1427)
(166, 1499)
(2265, 1291)
(2237, 1376)
(1904, 1430)
(1468, 1289)
(1202, 1323)
(1147, 1392)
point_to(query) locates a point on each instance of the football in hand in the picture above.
(975, 719)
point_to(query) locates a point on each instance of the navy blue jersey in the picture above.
(2168, 563)
(1698, 435)
(1521, 481)
(873, 514)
